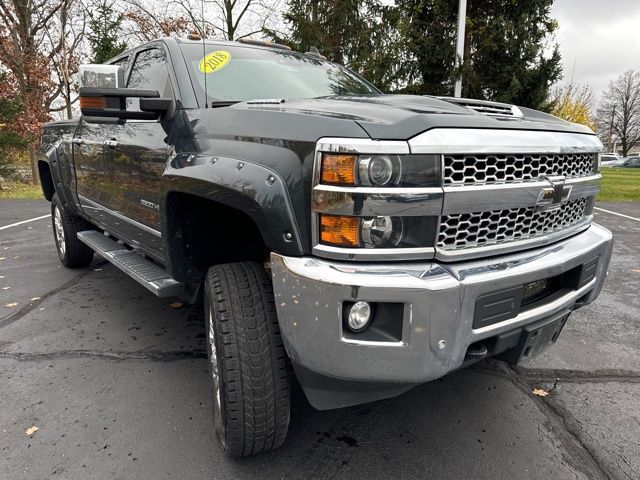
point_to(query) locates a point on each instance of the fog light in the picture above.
(359, 316)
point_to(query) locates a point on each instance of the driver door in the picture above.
(135, 154)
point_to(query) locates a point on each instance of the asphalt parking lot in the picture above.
(115, 379)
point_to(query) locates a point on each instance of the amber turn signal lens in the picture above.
(93, 102)
(338, 169)
(339, 230)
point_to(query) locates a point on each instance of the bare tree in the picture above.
(146, 21)
(65, 51)
(23, 38)
(242, 18)
(619, 111)
(226, 19)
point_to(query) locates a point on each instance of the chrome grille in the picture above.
(469, 230)
(513, 168)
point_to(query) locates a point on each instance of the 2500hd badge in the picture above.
(363, 242)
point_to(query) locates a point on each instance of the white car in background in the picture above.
(609, 157)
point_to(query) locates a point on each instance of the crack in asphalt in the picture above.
(573, 426)
(570, 435)
(152, 355)
(578, 376)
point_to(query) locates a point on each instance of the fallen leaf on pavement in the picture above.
(11, 305)
(6, 288)
(635, 270)
(176, 305)
(31, 430)
(34, 299)
(540, 392)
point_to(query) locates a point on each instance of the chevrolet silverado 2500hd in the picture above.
(364, 242)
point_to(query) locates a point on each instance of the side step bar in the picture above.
(146, 273)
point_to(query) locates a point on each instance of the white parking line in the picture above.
(616, 213)
(24, 221)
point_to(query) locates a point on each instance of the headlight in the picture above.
(380, 170)
(382, 231)
(376, 232)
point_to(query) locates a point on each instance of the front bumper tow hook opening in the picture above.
(476, 352)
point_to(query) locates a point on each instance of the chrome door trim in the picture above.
(118, 215)
(476, 141)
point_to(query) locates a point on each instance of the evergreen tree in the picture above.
(410, 46)
(354, 33)
(427, 29)
(105, 25)
(507, 58)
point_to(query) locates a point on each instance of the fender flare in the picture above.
(56, 162)
(253, 189)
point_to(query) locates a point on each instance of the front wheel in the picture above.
(72, 252)
(249, 371)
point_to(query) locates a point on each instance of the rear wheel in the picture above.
(248, 363)
(72, 252)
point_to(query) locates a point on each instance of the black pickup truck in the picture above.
(363, 242)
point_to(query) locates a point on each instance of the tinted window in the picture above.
(242, 73)
(149, 71)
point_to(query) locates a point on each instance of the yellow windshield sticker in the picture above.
(215, 61)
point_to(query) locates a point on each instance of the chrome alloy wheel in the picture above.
(58, 231)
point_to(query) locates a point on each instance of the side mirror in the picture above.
(102, 96)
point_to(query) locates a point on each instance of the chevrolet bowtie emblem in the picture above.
(552, 196)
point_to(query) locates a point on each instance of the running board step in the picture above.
(151, 276)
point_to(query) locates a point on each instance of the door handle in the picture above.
(111, 143)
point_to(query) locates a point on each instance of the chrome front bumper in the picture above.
(439, 302)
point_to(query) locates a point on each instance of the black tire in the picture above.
(72, 252)
(249, 370)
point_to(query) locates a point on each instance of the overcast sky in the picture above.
(600, 37)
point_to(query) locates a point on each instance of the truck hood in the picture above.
(400, 117)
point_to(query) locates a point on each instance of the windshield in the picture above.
(235, 73)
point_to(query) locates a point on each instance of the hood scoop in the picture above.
(491, 109)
